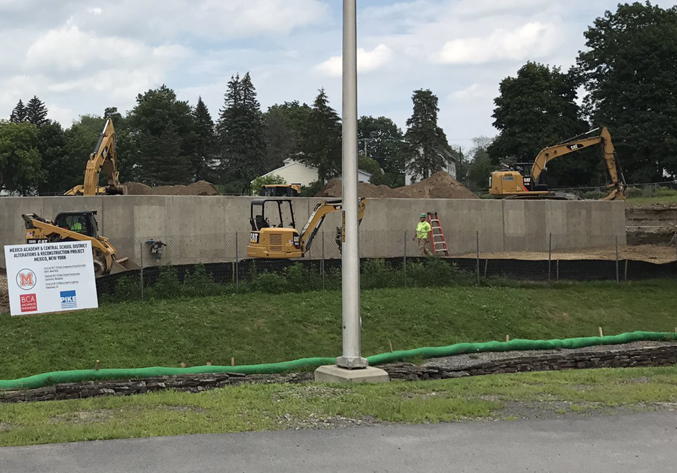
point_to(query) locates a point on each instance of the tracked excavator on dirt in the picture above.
(285, 242)
(78, 226)
(512, 183)
(104, 158)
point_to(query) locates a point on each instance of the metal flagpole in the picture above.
(350, 257)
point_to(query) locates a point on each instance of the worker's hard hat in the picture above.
(423, 215)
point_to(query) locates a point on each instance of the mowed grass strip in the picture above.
(260, 328)
(278, 407)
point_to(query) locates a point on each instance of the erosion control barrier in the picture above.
(58, 377)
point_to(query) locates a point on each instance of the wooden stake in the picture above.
(601, 333)
(97, 365)
(182, 365)
(209, 363)
(390, 344)
(232, 362)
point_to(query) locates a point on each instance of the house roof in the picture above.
(289, 162)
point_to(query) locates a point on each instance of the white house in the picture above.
(296, 172)
(450, 168)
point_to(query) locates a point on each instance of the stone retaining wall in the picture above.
(435, 369)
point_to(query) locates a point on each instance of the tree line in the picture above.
(165, 141)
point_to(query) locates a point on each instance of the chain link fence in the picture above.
(218, 263)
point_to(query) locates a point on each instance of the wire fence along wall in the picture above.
(654, 189)
(392, 257)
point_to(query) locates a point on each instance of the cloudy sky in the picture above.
(80, 56)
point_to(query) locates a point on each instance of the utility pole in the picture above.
(350, 367)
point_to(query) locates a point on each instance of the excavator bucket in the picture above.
(123, 264)
(616, 194)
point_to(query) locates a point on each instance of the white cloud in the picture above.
(529, 41)
(367, 61)
(474, 91)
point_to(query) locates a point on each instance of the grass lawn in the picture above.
(257, 328)
(278, 407)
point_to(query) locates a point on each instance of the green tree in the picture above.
(381, 139)
(241, 132)
(321, 145)
(59, 169)
(535, 109)
(480, 166)
(164, 137)
(206, 141)
(19, 113)
(630, 72)
(36, 112)
(20, 167)
(426, 149)
(284, 128)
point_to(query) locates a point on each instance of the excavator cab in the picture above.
(273, 241)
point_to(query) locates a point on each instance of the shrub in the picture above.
(594, 195)
(634, 192)
(271, 283)
(166, 285)
(127, 288)
(378, 273)
(665, 192)
(432, 272)
(199, 282)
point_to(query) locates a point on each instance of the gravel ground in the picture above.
(474, 359)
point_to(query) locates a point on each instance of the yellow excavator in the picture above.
(78, 226)
(104, 158)
(512, 183)
(285, 242)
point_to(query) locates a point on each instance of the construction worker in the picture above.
(423, 231)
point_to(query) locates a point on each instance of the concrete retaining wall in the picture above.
(203, 229)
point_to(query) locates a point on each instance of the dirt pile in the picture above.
(196, 188)
(438, 186)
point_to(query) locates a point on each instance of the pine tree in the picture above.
(426, 148)
(321, 139)
(36, 112)
(241, 132)
(19, 113)
(206, 140)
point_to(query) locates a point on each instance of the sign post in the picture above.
(50, 277)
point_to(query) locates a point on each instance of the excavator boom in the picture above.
(104, 158)
(513, 184)
(316, 219)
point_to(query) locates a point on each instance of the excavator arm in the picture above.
(316, 219)
(104, 158)
(577, 144)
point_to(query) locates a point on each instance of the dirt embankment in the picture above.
(438, 186)
(649, 253)
(196, 188)
(654, 224)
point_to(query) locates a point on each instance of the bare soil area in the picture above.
(196, 188)
(438, 186)
(649, 253)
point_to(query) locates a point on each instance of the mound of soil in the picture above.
(438, 186)
(196, 188)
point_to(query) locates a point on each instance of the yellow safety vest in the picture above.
(423, 229)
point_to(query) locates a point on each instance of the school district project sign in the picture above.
(50, 277)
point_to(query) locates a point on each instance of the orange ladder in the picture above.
(439, 243)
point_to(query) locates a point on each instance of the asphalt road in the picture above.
(608, 444)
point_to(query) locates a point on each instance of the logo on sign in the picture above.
(26, 279)
(69, 300)
(29, 302)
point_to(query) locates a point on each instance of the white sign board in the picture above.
(50, 277)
